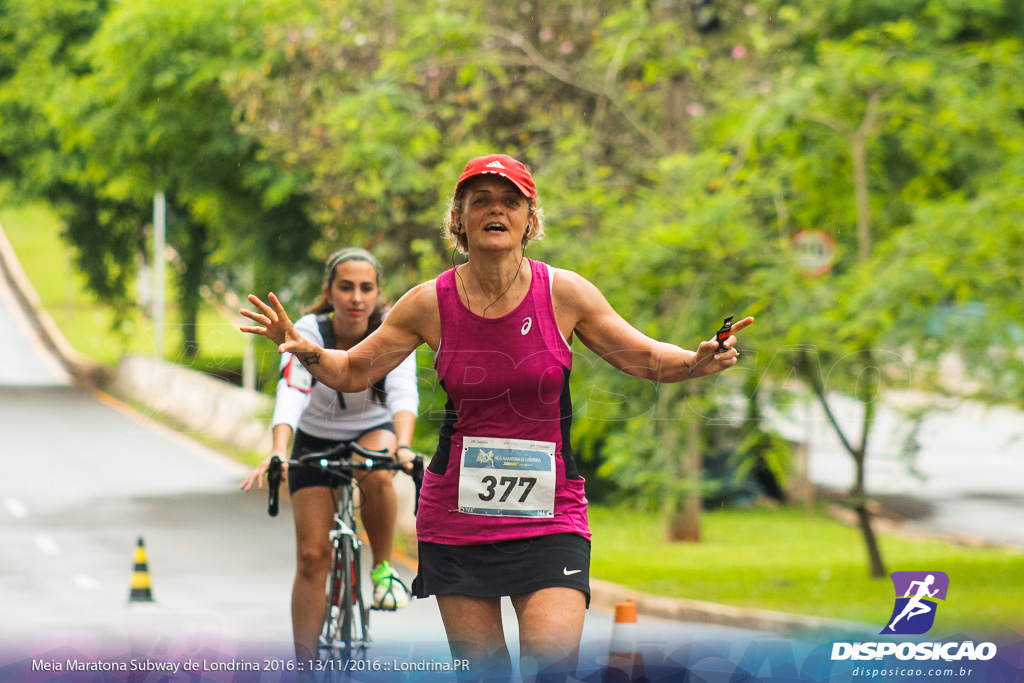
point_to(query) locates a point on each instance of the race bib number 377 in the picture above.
(507, 477)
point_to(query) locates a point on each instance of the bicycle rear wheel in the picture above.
(333, 638)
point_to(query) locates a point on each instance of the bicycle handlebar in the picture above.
(374, 461)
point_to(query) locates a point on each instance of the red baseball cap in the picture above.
(503, 165)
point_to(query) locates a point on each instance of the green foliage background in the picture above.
(678, 148)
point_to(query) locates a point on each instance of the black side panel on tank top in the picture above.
(439, 463)
(565, 417)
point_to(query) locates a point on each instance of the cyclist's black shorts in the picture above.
(301, 477)
(514, 567)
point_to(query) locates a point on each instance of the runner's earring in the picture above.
(458, 228)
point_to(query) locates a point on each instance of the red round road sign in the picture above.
(813, 252)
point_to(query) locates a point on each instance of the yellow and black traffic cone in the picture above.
(625, 663)
(141, 590)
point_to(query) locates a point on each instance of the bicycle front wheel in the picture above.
(344, 634)
(358, 613)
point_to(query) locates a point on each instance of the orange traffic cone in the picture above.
(625, 663)
(141, 591)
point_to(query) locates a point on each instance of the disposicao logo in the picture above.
(914, 614)
(916, 595)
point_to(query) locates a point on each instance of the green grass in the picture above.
(787, 561)
(35, 234)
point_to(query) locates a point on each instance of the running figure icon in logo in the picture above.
(915, 605)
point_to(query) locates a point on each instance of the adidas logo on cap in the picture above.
(503, 165)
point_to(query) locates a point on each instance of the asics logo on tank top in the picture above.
(527, 324)
(496, 164)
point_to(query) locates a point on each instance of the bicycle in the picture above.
(346, 629)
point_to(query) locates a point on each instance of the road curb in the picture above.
(605, 595)
(82, 370)
(199, 402)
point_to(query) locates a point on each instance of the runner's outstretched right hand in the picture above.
(276, 326)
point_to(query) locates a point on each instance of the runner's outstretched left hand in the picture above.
(710, 359)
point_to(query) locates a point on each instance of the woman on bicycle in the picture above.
(502, 511)
(380, 416)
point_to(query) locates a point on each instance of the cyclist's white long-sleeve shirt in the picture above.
(314, 407)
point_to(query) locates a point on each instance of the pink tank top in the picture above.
(507, 420)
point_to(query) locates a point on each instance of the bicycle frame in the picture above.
(346, 629)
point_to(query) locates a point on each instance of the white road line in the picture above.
(85, 582)
(15, 508)
(46, 544)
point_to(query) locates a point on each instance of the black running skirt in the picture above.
(493, 570)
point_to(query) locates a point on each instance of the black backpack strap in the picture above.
(378, 394)
(323, 321)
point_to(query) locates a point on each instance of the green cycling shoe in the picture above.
(389, 593)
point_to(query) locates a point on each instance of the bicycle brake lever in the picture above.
(417, 479)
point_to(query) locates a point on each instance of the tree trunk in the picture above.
(677, 130)
(857, 496)
(801, 490)
(877, 567)
(859, 503)
(861, 196)
(862, 199)
(194, 253)
(677, 96)
(684, 507)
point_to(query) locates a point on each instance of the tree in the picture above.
(141, 107)
(38, 52)
(152, 115)
(890, 104)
